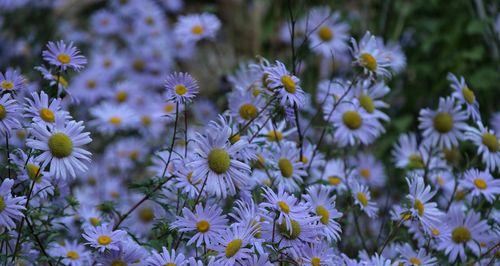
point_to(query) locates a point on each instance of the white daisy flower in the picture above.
(41, 110)
(103, 237)
(363, 199)
(206, 223)
(464, 95)
(285, 84)
(323, 205)
(481, 183)
(195, 27)
(420, 195)
(217, 163)
(10, 207)
(445, 126)
(370, 56)
(8, 114)
(283, 207)
(488, 145)
(166, 258)
(232, 245)
(352, 123)
(466, 231)
(288, 170)
(61, 147)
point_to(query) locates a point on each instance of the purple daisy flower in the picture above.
(11, 80)
(181, 87)
(64, 56)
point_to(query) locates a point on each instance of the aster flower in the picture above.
(415, 258)
(335, 174)
(352, 123)
(332, 88)
(273, 133)
(481, 183)
(217, 163)
(445, 126)
(284, 207)
(181, 87)
(72, 253)
(166, 258)
(427, 212)
(244, 106)
(64, 56)
(232, 245)
(370, 56)
(129, 253)
(103, 237)
(12, 80)
(285, 84)
(363, 199)
(394, 54)
(329, 36)
(61, 147)
(62, 84)
(8, 114)
(488, 145)
(287, 169)
(195, 27)
(323, 205)
(29, 169)
(110, 118)
(406, 152)
(10, 207)
(369, 96)
(41, 110)
(369, 170)
(466, 231)
(465, 96)
(319, 253)
(206, 223)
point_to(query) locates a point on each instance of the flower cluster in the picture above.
(267, 169)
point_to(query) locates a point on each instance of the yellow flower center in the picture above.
(47, 115)
(460, 235)
(91, 84)
(104, 240)
(63, 58)
(293, 232)
(325, 33)
(440, 180)
(368, 61)
(146, 120)
(362, 198)
(284, 207)
(435, 232)
(468, 95)
(139, 65)
(180, 89)
(352, 119)
(62, 80)
(95, 221)
(323, 213)
(415, 161)
(202, 226)
(274, 135)
(219, 160)
(2, 204)
(115, 120)
(480, 183)
(367, 103)
(3, 112)
(405, 216)
(60, 145)
(7, 85)
(121, 96)
(248, 111)
(233, 247)
(197, 30)
(288, 83)
(286, 167)
(315, 261)
(419, 206)
(443, 122)
(365, 173)
(334, 180)
(304, 159)
(491, 141)
(21, 134)
(170, 264)
(169, 108)
(72, 255)
(118, 263)
(415, 261)
(255, 92)
(146, 215)
(235, 138)
(33, 172)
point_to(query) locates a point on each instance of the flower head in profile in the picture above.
(464, 95)
(420, 206)
(181, 87)
(64, 56)
(9, 109)
(488, 145)
(12, 80)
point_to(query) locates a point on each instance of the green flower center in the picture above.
(491, 141)
(248, 111)
(233, 247)
(325, 33)
(468, 95)
(60, 145)
(47, 115)
(362, 198)
(33, 172)
(2, 204)
(443, 122)
(323, 213)
(352, 119)
(63, 58)
(3, 112)
(118, 263)
(219, 161)
(286, 167)
(7, 85)
(288, 83)
(460, 235)
(415, 162)
(368, 61)
(367, 103)
(293, 232)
